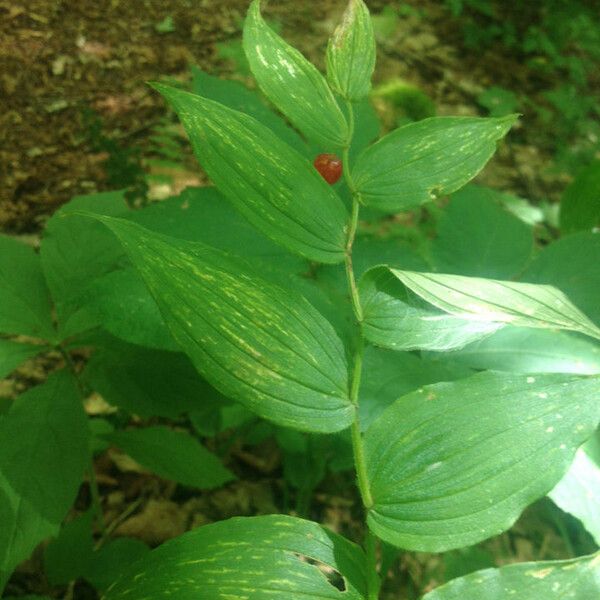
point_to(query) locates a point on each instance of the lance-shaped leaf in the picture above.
(491, 300)
(258, 558)
(420, 161)
(578, 492)
(351, 53)
(292, 83)
(44, 433)
(255, 342)
(524, 350)
(396, 318)
(576, 579)
(271, 184)
(455, 463)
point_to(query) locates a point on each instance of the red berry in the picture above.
(329, 166)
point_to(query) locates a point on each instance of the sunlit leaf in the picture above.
(576, 579)
(292, 83)
(417, 162)
(454, 463)
(271, 557)
(255, 342)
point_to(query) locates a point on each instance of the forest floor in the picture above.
(59, 59)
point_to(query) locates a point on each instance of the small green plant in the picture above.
(459, 386)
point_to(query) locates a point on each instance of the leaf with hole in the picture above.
(455, 463)
(257, 557)
(423, 160)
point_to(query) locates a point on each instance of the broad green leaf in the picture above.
(173, 455)
(44, 433)
(576, 579)
(272, 185)
(23, 528)
(258, 558)
(423, 160)
(351, 53)
(75, 251)
(25, 301)
(147, 383)
(491, 300)
(12, 354)
(204, 215)
(524, 350)
(477, 237)
(292, 83)
(571, 264)
(578, 492)
(388, 375)
(237, 96)
(120, 302)
(255, 342)
(580, 203)
(396, 318)
(455, 463)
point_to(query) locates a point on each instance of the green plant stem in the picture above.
(373, 581)
(94, 490)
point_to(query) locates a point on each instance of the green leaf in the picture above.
(257, 557)
(174, 455)
(524, 350)
(113, 559)
(237, 96)
(119, 301)
(351, 53)
(147, 383)
(477, 237)
(571, 264)
(577, 579)
(292, 83)
(580, 203)
(25, 301)
(68, 555)
(12, 354)
(272, 185)
(578, 492)
(493, 301)
(44, 433)
(75, 251)
(23, 528)
(396, 318)
(253, 341)
(388, 375)
(455, 463)
(423, 160)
